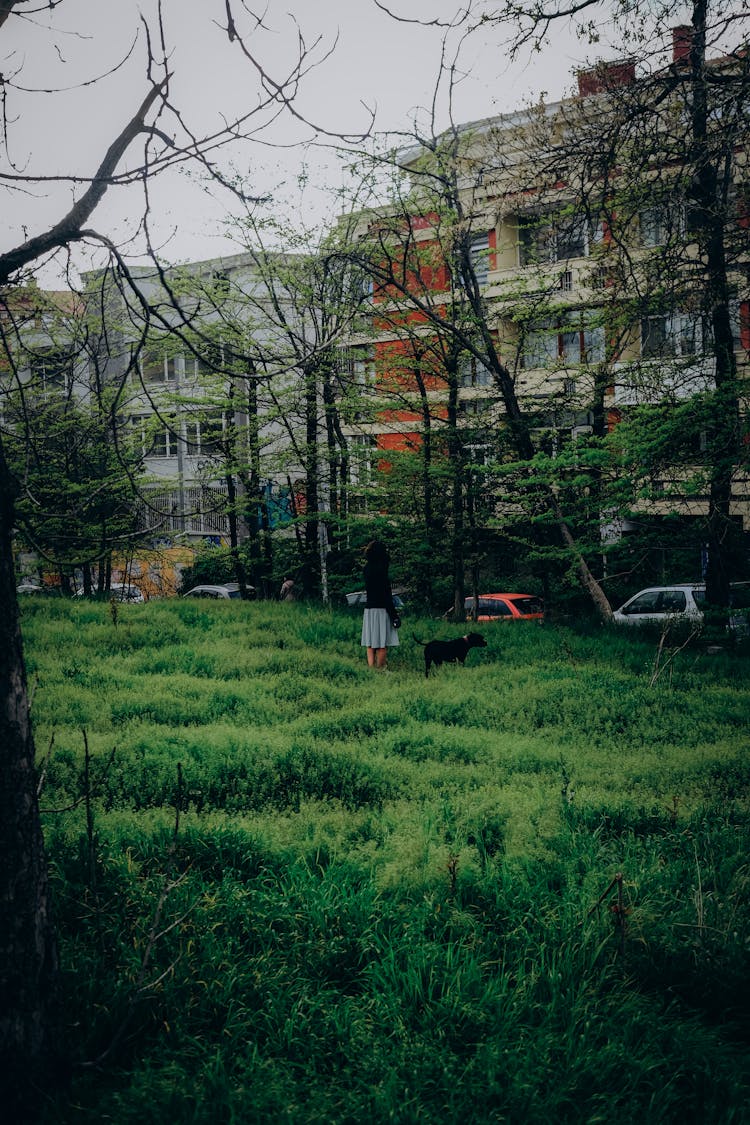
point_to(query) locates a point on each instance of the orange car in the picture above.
(491, 607)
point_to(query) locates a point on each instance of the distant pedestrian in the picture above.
(380, 621)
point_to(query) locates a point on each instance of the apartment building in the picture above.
(196, 381)
(541, 268)
(207, 394)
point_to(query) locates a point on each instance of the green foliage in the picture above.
(211, 565)
(77, 487)
(312, 892)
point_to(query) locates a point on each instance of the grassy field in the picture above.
(290, 889)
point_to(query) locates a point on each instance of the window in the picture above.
(599, 278)
(563, 340)
(163, 443)
(136, 426)
(570, 238)
(210, 360)
(550, 238)
(658, 601)
(471, 373)
(363, 366)
(361, 459)
(739, 316)
(488, 607)
(152, 437)
(665, 221)
(204, 434)
(672, 335)
(157, 367)
(357, 365)
(592, 343)
(211, 429)
(479, 248)
(51, 370)
(478, 456)
(360, 285)
(654, 226)
(474, 406)
(541, 345)
(192, 437)
(534, 236)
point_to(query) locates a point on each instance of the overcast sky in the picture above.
(376, 65)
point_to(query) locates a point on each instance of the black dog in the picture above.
(448, 652)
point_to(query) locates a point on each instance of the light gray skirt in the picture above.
(377, 631)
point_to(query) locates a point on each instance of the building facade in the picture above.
(561, 265)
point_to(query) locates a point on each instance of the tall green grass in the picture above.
(313, 892)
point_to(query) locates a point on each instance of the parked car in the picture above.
(494, 607)
(686, 602)
(125, 593)
(121, 592)
(36, 588)
(224, 590)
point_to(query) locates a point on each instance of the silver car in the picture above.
(682, 603)
(120, 591)
(224, 590)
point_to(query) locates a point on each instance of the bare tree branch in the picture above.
(460, 18)
(68, 229)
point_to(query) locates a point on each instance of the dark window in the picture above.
(157, 367)
(662, 223)
(528, 605)
(471, 373)
(479, 247)
(51, 369)
(551, 341)
(673, 601)
(672, 334)
(489, 607)
(553, 238)
(659, 601)
(211, 432)
(645, 603)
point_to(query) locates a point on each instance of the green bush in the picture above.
(211, 565)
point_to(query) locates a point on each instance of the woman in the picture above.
(380, 617)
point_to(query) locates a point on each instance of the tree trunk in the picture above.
(723, 437)
(456, 460)
(585, 577)
(28, 955)
(310, 566)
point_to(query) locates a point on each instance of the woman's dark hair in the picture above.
(376, 552)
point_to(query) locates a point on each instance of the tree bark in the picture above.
(28, 953)
(723, 438)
